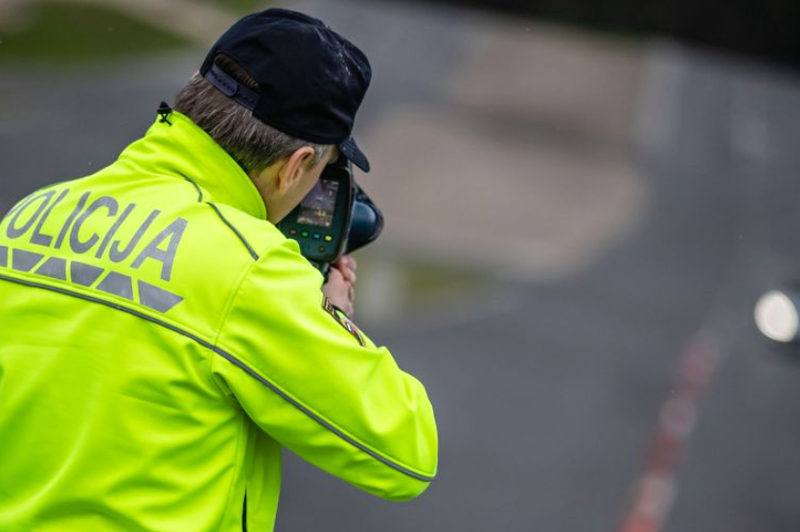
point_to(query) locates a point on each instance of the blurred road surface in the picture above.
(548, 387)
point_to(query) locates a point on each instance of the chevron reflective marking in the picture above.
(25, 261)
(156, 298)
(55, 268)
(118, 285)
(87, 275)
(84, 274)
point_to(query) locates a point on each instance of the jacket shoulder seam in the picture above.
(233, 228)
(200, 196)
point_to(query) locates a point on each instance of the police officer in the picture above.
(161, 340)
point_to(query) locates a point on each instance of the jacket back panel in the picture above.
(107, 291)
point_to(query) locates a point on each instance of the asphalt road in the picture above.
(547, 406)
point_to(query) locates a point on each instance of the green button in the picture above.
(304, 234)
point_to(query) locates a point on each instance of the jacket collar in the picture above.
(180, 148)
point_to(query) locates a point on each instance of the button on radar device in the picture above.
(335, 218)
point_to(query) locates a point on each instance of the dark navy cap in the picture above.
(311, 79)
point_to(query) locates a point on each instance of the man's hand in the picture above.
(341, 286)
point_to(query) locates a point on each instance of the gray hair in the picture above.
(252, 143)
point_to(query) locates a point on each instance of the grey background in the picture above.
(547, 389)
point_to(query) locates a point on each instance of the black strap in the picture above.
(231, 88)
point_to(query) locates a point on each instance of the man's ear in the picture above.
(295, 167)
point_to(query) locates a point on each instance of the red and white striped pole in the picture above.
(656, 488)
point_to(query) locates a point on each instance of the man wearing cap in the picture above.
(161, 340)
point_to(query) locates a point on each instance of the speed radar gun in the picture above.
(335, 218)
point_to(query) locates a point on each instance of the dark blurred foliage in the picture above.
(57, 34)
(767, 29)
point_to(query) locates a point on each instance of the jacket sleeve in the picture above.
(320, 387)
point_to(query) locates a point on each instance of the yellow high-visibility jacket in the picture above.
(160, 341)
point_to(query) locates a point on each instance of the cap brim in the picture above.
(353, 153)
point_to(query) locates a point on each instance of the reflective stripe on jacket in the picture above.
(160, 341)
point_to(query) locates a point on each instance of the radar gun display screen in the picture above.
(318, 207)
(335, 218)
